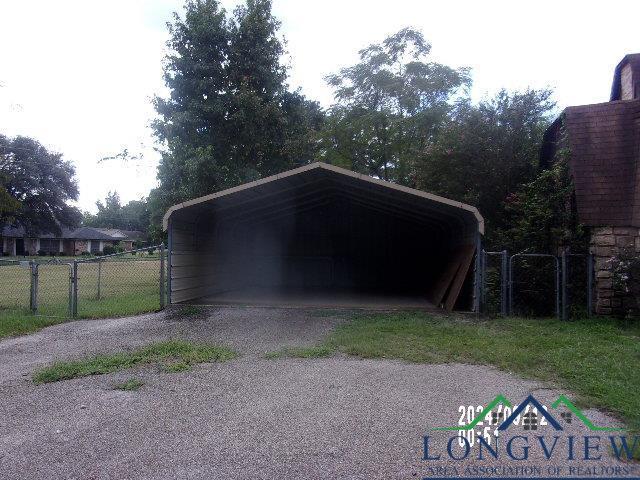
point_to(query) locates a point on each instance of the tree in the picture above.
(112, 214)
(389, 106)
(36, 187)
(229, 118)
(485, 152)
(541, 215)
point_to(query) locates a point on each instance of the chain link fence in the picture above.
(135, 282)
(534, 284)
(125, 283)
(121, 284)
(15, 285)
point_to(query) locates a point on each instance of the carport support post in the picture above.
(162, 285)
(169, 249)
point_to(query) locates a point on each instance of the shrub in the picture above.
(111, 249)
(625, 270)
(41, 253)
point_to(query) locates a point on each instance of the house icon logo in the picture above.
(531, 416)
(530, 419)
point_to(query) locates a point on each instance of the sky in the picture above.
(79, 75)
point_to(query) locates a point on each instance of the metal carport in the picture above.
(322, 235)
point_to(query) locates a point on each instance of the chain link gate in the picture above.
(493, 278)
(52, 282)
(571, 276)
(124, 283)
(547, 271)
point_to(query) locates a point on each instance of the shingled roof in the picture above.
(82, 233)
(603, 141)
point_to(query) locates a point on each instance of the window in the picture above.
(49, 245)
(95, 246)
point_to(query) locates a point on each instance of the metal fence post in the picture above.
(162, 285)
(70, 290)
(33, 302)
(557, 287)
(510, 285)
(483, 281)
(99, 276)
(563, 287)
(75, 288)
(503, 283)
(589, 284)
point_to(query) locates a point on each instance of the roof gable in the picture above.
(300, 174)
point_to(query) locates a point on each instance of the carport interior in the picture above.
(318, 237)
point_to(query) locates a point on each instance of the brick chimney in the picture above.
(626, 79)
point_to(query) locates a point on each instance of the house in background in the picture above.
(602, 146)
(15, 242)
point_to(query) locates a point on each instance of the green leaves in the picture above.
(485, 152)
(35, 186)
(388, 106)
(175, 355)
(229, 118)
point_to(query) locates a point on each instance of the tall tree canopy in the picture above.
(35, 187)
(485, 152)
(399, 116)
(389, 106)
(112, 214)
(229, 117)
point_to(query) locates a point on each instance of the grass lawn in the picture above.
(599, 359)
(18, 321)
(173, 356)
(117, 287)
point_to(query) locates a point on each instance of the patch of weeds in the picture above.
(131, 385)
(176, 367)
(19, 321)
(319, 351)
(164, 353)
(190, 311)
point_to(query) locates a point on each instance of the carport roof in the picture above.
(296, 178)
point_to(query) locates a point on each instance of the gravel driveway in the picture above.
(252, 417)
